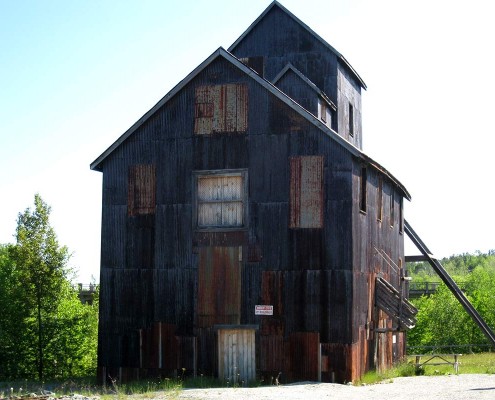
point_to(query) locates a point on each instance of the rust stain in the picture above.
(304, 355)
(142, 189)
(219, 286)
(306, 192)
(221, 108)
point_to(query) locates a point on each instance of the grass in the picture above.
(482, 363)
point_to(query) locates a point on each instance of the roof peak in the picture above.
(304, 26)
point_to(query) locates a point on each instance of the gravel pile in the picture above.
(449, 387)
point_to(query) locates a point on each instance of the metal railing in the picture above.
(458, 348)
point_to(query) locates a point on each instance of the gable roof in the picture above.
(222, 53)
(304, 78)
(274, 4)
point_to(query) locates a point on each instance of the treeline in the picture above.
(441, 320)
(45, 331)
(458, 266)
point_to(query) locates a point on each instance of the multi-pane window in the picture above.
(306, 192)
(220, 108)
(220, 200)
(141, 189)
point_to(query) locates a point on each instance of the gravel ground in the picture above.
(449, 387)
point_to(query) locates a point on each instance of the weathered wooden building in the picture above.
(244, 231)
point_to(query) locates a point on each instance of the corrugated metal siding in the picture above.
(273, 352)
(207, 351)
(272, 289)
(304, 356)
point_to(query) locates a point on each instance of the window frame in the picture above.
(243, 173)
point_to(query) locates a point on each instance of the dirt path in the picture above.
(451, 387)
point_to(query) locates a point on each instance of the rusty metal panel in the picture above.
(158, 348)
(304, 356)
(272, 286)
(203, 110)
(219, 286)
(221, 108)
(272, 356)
(237, 355)
(142, 189)
(306, 192)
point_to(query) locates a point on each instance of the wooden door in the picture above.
(236, 355)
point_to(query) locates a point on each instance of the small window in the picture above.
(220, 199)
(255, 63)
(392, 208)
(363, 189)
(351, 119)
(401, 216)
(141, 190)
(220, 108)
(379, 209)
(323, 111)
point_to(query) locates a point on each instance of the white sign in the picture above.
(263, 310)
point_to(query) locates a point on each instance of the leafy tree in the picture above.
(42, 266)
(44, 328)
(441, 320)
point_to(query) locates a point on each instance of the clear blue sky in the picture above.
(74, 75)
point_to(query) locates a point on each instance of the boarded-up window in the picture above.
(306, 192)
(142, 190)
(221, 108)
(220, 200)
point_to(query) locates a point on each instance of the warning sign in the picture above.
(263, 310)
